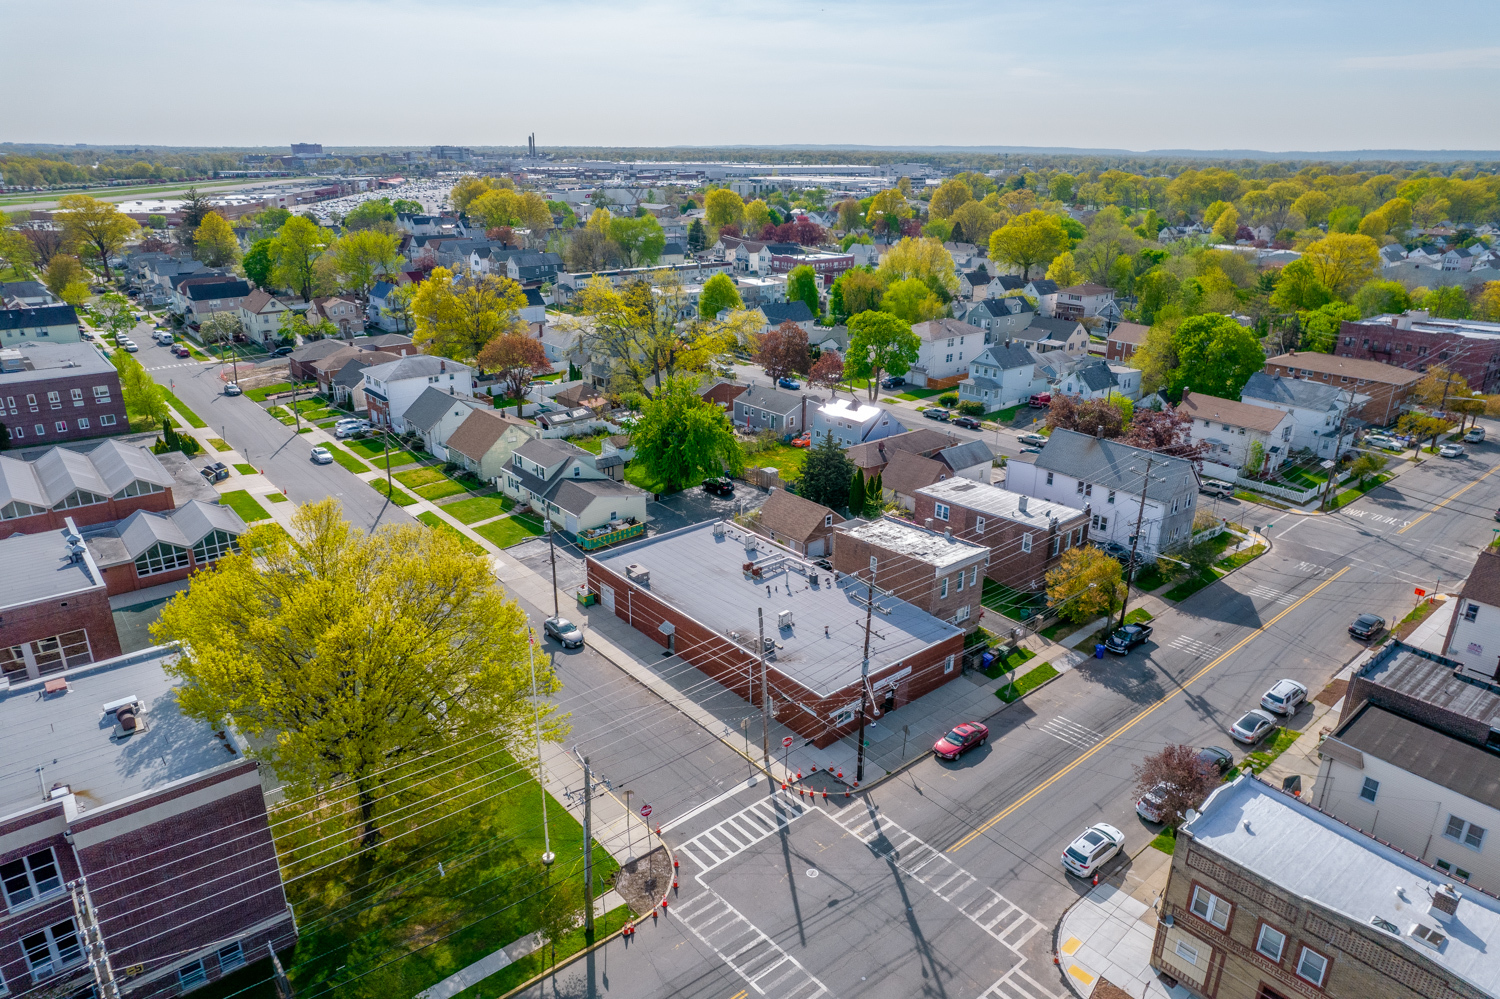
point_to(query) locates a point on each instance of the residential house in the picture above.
(969, 460)
(906, 473)
(874, 456)
(300, 361)
(805, 527)
(1090, 378)
(26, 295)
(1045, 294)
(1080, 300)
(1459, 259)
(1415, 341)
(722, 393)
(261, 315)
(1000, 318)
(1269, 897)
(326, 368)
(1044, 335)
(535, 310)
(532, 270)
(966, 256)
(393, 344)
(1473, 638)
(1392, 254)
(1107, 477)
(59, 392)
(560, 344)
(149, 548)
(435, 415)
(1124, 340)
(348, 386)
(775, 313)
(869, 254)
(580, 394)
(392, 387)
(1386, 385)
(762, 408)
(107, 482)
(827, 267)
(563, 483)
(852, 422)
(1317, 409)
(379, 309)
(931, 569)
(1026, 536)
(1002, 375)
(978, 285)
(47, 324)
(947, 346)
(341, 312)
(203, 299)
(1232, 429)
(477, 439)
(161, 815)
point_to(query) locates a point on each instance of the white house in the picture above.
(1080, 300)
(563, 483)
(1232, 429)
(435, 415)
(1090, 378)
(47, 324)
(260, 315)
(851, 422)
(1002, 375)
(379, 310)
(1474, 634)
(946, 349)
(1316, 409)
(391, 388)
(1045, 334)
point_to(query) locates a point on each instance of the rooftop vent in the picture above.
(784, 619)
(1428, 935)
(10, 360)
(638, 573)
(1021, 503)
(719, 529)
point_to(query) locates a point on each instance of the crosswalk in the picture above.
(1193, 647)
(1072, 733)
(741, 831)
(1274, 596)
(184, 364)
(752, 955)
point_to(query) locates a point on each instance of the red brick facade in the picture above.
(1010, 563)
(802, 710)
(65, 399)
(1477, 359)
(98, 513)
(87, 612)
(915, 581)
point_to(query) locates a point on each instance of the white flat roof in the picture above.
(841, 409)
(936, 548)
(999, 502)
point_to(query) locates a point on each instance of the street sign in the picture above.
(646, 810)
(1421, 592)
(786, 742)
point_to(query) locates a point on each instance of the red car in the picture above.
(804, 441)
(181, 350)
(963, 738)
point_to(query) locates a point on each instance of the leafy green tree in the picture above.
(363, 256)
(98, 225)
(220, 327)
(948, 197)
(1344, 219)
(723, 207)
(342, 655)
(1367, 466)
(407, 206)
(63, 270)
(1255, 459)
(1086, 584)
(1298, 288)
(718, 294)
(214, 241)
(1447, 303)
(681, 438)
(295, 250)
(826, 474)
(640, 239)
(912, 301)
(879, 343)
(1216, 356)
(1342, 261)
(1061, 188)
(1155, 291)
(1320, 327)
(802, 286)
(145, 402)
(375, 213)
(1226, 225)
(697, 238)
(939, 229)
(1378, 297)
(857, 499)
(259, 263)
(859, 290)
(456, 316)
(1028, 240)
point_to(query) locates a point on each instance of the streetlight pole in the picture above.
(765, 685)
(1135, 541)
(552, 550)
(536, 709)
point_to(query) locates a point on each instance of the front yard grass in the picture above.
(414, 477)
(1000, 667)
(787, 460)
(187, 414)
(439, 490)
(347, 460)
(437, 523)
(1165, 841)
(636, 475)
(219, 444)
(1033, 679)
(1271, 748)
(242, 503)
(1216, 571)
(1350, 495)
(266, 391)
(1015, 604)
(478, 508)
(246, 469)
(917, 394)
(510, 531)
(374, 452)
(396, 494)
(275, 498)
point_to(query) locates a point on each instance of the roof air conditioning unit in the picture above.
(784, 619)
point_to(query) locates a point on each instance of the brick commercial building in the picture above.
(162, 818)
(1026, 536)
(54, 607)
(108, 482)
(697, 591)
(147, 548)
(59, 392)
(1415, 341)
(932, 569)
(1386, 385)
(1268, 898)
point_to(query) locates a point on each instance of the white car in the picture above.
(322, 456)
(350, 428)
(1284, 698)
(1149, 807)
(126, 344)
(1451, 451)
(1092, 850)
(1253, 727)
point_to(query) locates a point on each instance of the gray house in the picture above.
(1003, 375)
(761, 408)
(1000, 317)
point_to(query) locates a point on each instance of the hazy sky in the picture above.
(1274, 75)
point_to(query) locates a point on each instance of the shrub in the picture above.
(948, 399)
(971, 407)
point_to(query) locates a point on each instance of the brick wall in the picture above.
(88, 611)
(1478, 361)
(1385, 398)
(913, 580)
(99, 513)
(21, 418)
(1009, 563)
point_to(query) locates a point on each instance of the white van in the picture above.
(163, 337)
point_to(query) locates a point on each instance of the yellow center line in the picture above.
(1450, 499)
(1003, 813)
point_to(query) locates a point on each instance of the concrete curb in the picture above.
(1057, 927)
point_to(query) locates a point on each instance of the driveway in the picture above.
(694, 506)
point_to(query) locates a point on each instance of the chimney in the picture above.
(1021, 502)
(1444, 903)
(442, 366)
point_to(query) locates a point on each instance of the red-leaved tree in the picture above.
(1177, 779)
(827, 370)
(783, 351)
(1166, 431)
(516, 358)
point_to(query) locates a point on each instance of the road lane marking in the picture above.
(1006, 811)
(1193, 647)
(1450, 499)
(1071, 732)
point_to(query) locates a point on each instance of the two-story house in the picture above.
(202, 299)
(1124, 340)
(1114, 479)
(1000, 318)
(932, 569)
(1044, 335)
(563, 483)
(761, 407)
(261, 315)
(1232, 429)
(1026, 536)
(44, 324)
(923, 441)
(435, 415)
(392, 387)
(805, 527)
(1317, 410)
(947, 347)
(852, 422)
(1081, 300)
(1473, 639)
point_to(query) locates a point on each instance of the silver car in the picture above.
(1253, 727)
(1284, 698)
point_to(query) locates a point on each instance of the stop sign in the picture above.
(645, 810)
(786, 742)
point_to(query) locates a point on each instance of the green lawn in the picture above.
(917, 394)
(396, 495)
(510, 531)
(266, 391)
(219, 444)
(1057, 629)
(1271, 748)
(787, 460)
(1350, 495)
(1165, 841)
(275, 498)
(414, 477)
(1030, 681)
(437, 523)
(246, 469)
(1148, 578)
(187, 414)
(1000, 667)
(636, 475)
(1216, 571)
(438, 490)
(373, 451)
(1016, 604)
(348, 460)
(478, 508)
(1002, 416)
(593, 445)
(242, 503)
(1301, 478)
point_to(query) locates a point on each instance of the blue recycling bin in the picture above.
(987, 659)
(1098, 651)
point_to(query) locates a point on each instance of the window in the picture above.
(948, 664)
(1049, 478)
(1187, 952)
(83, 423)
(960, 582)
(978, 525)
(190, 976)
(1099, 523)
(18, 432)
(1080, 488)
(101, 395)
(1052, 550)
(1443, 865)
(1466, 833)
(1210, 908)
(52, 949)
(1270, 942)
(1312, 966)
(962, 614)
(77, 395)
(231, 956)
(1471, 612)
(828, 520)
(31, 401)
(1026, 544)
(1370, 789)
(943, 592)
(78, 497)
(948, 359)
(161, 557)
(41, 431)
(11, 511)
(140, 487)
(54, 400)
(62, 426)
(974, 576)
(940, 511)
(30, 878)
(215, 546)
(1111, 497)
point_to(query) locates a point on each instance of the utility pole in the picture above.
(552, 550)
(93, 937)
(1135, 541)
(283, 984)
(864, 677)
(765, 687)
(1337, 447)
(588, 853)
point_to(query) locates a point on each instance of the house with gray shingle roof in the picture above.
(435, 415)
(563, 482)
(1317, 409)
(1004, 374)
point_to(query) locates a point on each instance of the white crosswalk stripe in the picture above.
(1274, 596)
(184, 364)
(752, 955)
(1072, 733)
(742, 830)
(1192, 646)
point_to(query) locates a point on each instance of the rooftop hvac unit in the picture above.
(638, 573)
(784, 619)
(719, 529)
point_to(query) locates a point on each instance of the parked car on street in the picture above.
(1039, 440)
(1213, 487)
(1092, 850)
(1284, 698)
(963, 738)
(1217, 757)
(564, 631)
(941, 415)
(895, 381)
(1475, 435)
(1149, 805)
(282, 351)
(967, 422)
(1252, 727)
(788, 383)
(721, 486)
(162, 337)
(1367, 626)
(1451, 451)
(181, 350)
(804, 441)
(322, 456)
(1126, 638)
(126, 344)
(1041, 399)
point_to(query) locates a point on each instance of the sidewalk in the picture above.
(1105, 938)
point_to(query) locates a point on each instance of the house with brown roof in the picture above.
(1385, 384)
(908, 472)
(875, 455)
(341, 312)
(260, 315)
(800, 524)
(583, 395)
(485, 440)
(1124, 340)
(723, 394)
(1231, 429)
(326, 368)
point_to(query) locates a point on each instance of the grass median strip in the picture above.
(437, 523)
(347, 460)
(395, 494)
(187, 414)
(275, 498)
(219, 444)
(242, 503)
(246, 469)
(1034, 678)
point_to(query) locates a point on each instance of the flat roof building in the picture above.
(930, 568)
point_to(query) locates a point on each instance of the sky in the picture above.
(1133, 74)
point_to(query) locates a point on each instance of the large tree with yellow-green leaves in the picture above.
(342, 655)
(456, 315)
(99, 226)
(1028, 240)
(214, 241)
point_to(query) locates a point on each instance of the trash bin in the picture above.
(987, 659)
(1099, 651)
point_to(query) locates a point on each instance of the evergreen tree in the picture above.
(697, 238)
(857, 493)
(826, 474)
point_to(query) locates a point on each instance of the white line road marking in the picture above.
(1274, 596)
(1193, 647)
(1071, 732)
(745, 948)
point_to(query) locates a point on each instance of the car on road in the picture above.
(895, 381)
(233, 388)
(162, 337)
(941, 415)
(1252, 727)
(282, 351)
(564, 631)
(1031, 450)
(1118, 552)
(181, 350)
(1040, 400)
(1451, 451)
(804, 441)
(1367, 626)
(1126, 638)
(1284, 698)
(1384, 442)
(967, 422)
(1475, 435)
(1150, 804)
(322, 456)
(788, 383)
(1213, 487)
(126, 344)
(1039, 440)
(214, 472)
(963, 738)
(1217, 757)
(1092, 850)
(721, 486)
